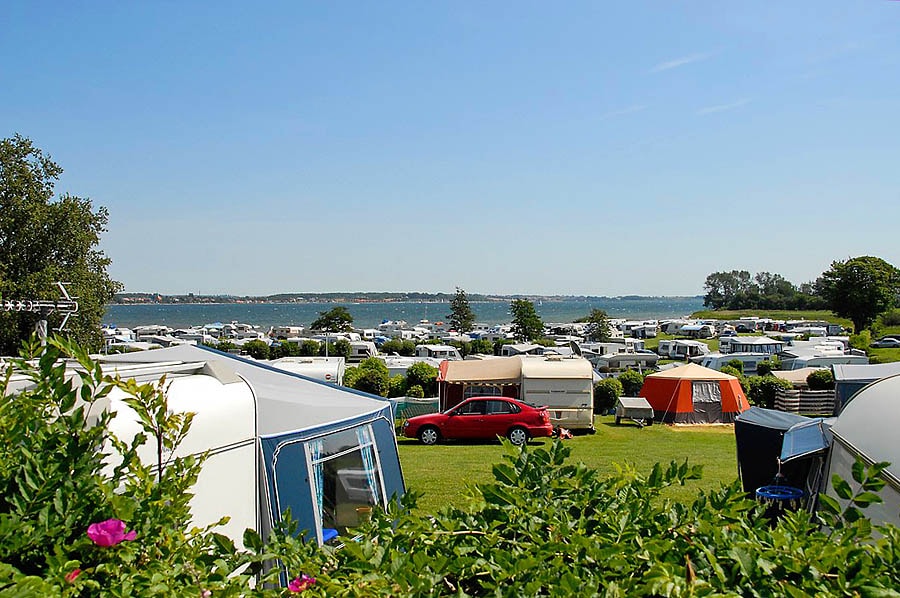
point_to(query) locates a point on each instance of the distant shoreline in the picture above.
(363, 298)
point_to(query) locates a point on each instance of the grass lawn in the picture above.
(442, 473)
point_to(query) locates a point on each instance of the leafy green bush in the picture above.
(71, 526)
(398, 346)
(257, 349)
(820, 380)
(861, 341)
(764, 368)
(890, 317)
(631, 381)
(415, 391)
(481, 346)
(397, 386)
(606, 392)
(424, 376)
(339, 348)
(736, 364)
(309, 348)
(762, 390)
(225, 346)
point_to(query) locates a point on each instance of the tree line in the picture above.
(859, 288)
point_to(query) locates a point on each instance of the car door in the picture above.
(501, 415)
(466, 421)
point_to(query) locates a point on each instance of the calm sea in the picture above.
(369, 315)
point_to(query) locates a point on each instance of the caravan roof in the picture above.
(281, 407)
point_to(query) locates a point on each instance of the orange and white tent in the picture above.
(693, 394)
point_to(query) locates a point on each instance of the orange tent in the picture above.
(693, 394)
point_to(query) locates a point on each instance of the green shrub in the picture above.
(309, 348)
(481, 346)
(415, 391)
(631, 381)
(764, 368)
(396, 386)
(861, 341)
(736, 364)
(257, 349)
(890, 317)
(339, 348)
(424, 376)
(398, 346)
(606, 392)
(762, 389)
(225, 346)
(820, 380)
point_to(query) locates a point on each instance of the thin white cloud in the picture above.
(681, 61)
(724, 107)
(624, 111)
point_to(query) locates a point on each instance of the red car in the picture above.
(482, 418)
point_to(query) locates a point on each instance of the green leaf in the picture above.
(859, 471)
(864, 499)
(841, 487)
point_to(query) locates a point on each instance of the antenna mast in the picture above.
(67, 306)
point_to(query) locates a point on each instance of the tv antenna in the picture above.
(67, 305)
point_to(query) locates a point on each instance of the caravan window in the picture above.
(474, 390)
(346, 478)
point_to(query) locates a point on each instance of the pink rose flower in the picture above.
(298, 584)
(109, 533)
(71, 575)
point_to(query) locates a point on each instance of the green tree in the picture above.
(606, 392)
(461, 317)
(337, 319)
(481, 346)
(597, 328)
(526, 323)
(423, 375)
(860, 289)
(339, 348)
(371, 376)
(632, 381)
(398, 346)
(44, 241)
(725, 289)
(257, 349)
(820, 380)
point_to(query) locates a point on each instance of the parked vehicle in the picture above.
(886, 343)
(482, 418)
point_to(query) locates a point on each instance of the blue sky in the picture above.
(503, 147)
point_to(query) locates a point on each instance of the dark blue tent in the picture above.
(759, 434)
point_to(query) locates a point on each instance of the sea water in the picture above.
(369, 315)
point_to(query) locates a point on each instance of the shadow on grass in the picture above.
(411, 442)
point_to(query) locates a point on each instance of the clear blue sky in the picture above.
(505, 147)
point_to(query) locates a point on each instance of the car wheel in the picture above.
(429, 435)
(518, 436)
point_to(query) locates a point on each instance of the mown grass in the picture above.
(443, 473)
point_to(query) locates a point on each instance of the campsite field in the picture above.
(442, 473)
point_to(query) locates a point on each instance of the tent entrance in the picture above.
(707, 399)
(346, 478)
